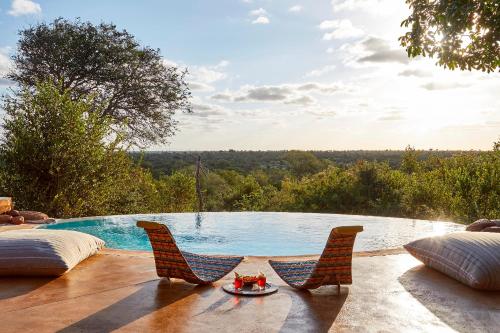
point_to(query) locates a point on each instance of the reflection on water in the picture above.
(255, 233)
(198, 219)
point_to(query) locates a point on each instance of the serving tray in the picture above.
(251, 290)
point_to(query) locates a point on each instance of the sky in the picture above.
(289, 74)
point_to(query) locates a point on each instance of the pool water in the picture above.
(256, 233)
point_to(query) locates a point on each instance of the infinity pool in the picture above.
(245, 233)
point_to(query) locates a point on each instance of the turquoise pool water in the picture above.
(247, 233)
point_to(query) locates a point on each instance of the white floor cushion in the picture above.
(38, 252)
(472, 258)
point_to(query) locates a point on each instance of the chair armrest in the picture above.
(348, 230)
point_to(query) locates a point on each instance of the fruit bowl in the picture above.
(247, 280)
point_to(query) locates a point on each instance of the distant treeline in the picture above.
(164, 163)
(453, 185)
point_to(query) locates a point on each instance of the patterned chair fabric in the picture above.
(332, 268)
(174, 263)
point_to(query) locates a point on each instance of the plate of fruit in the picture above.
(250, 285)
(247, 280)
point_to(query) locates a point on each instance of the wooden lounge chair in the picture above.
(174, 263)
(332, 268)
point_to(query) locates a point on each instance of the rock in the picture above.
(17, 220)
(5, 219)
(480, 225)
(13, 213)
(491, 229)
(46, 221)
(33, 216)
(497, 222)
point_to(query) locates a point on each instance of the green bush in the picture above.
(60, 157)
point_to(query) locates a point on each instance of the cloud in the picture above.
(266, 94)
(170, 63)
(24, 7)
(222, 64)
(5, 62)
(261, 20)
(320, 114)
(201, 78)
(222, 97)
(322, 71)
(375, 50)
(206, 74)
(330, 50)
(5, 82)
(262, 16)
(392, 116)
(207, 110)
(286, 93)
(258, 12)
(321, 88)
(302, 100)
(340, 29)
(444, 85)
(199, 86)
(295, 9)
(373, 6)
(415, 73)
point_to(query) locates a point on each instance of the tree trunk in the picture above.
(198, 185)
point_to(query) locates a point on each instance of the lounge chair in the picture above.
(332, 268)
(174, 263)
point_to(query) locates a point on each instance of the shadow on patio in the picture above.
(151, 297)
(457, 305)
(313, 311)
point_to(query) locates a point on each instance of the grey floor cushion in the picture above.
(472, 258)
(38, 252)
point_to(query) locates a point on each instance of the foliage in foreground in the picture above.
(460, 34)
(60, 157)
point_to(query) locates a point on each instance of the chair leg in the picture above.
(338, 288)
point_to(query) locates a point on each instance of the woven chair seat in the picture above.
(295, 273)
(334, 267)
(210, 268)
(172, 263)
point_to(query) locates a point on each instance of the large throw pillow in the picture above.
(472, 258)
(44, 252)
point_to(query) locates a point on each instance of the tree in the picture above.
(462, 34)
(409, 160)
(303, 163)
(177, 192)
(59, 157)
(140, 91)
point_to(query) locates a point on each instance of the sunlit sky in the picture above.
(279, 74)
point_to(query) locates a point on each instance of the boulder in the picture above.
(17, 220)
(5, 219)
(13, 213)
(33, 216)
(479, 225)
(491, 229)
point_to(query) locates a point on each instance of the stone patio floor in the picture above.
(119, 291)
